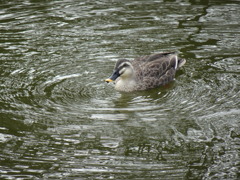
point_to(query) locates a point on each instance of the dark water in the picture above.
(59, 120)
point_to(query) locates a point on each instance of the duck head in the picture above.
(123, 70)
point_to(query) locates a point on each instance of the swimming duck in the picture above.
(145, 72)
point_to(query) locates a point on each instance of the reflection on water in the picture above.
(59, 120)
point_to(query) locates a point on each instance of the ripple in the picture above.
(5, 138)
(66, 88)
(60, 78)
(60, 120)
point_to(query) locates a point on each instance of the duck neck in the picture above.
(125, 84)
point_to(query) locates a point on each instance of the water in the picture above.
(59, 120)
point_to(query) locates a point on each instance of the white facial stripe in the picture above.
(121, 70)
(176, 64)
(122, 66)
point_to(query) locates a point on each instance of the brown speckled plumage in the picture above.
(145, 72)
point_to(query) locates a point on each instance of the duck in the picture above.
(145, 72)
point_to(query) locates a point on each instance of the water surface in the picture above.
(59, 120)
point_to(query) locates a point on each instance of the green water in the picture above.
(60, 120)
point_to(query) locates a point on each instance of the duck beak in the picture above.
(113, 77)
(108, 80)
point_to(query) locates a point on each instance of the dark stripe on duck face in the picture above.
(119, 70)
(121, 62)
(118, 66)
(121, 65)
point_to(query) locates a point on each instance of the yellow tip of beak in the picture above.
(108, 80)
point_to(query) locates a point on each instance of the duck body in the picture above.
(145, 72)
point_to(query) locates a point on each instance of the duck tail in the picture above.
(177, 62)
(181, 62)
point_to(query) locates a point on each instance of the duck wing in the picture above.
(157, 69)
(154, 57)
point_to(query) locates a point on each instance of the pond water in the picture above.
(60, 120)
